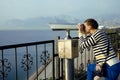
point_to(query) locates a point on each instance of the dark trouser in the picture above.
(112, 72)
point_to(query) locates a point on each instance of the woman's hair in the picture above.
(93, 23)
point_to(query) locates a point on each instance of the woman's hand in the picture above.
(81, 28)
(98, 67)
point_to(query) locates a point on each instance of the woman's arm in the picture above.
(86, 43)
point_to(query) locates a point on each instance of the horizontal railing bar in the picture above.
(112, 33)
(55, 55)
(24, 44)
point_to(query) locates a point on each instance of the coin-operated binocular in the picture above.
(67, 48)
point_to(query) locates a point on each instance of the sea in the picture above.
(10, 37)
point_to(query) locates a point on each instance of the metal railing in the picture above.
(20, 61)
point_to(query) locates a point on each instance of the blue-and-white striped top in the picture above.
(99, 41)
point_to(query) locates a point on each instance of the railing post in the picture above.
(37, 61)
(2, 66)
(53, 48)
(16, 63)
(45, 59)
(61, 67)
(27, 62)
(57, 61)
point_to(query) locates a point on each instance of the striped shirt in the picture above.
(99, 42)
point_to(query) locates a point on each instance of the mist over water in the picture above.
(25, 36)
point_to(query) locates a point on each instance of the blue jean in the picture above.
(112, 72)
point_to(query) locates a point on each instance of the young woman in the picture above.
(100, 43)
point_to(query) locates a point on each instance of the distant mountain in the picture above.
(109, 20)
(43, 22)
(38, 23)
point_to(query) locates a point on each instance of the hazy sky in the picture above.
(22, 9)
